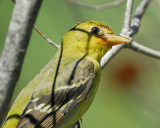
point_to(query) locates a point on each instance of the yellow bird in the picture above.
(64, 89)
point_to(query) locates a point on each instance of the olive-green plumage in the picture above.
(63, 91)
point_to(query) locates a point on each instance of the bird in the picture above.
(64, 89)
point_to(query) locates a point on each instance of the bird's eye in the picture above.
(95, 30)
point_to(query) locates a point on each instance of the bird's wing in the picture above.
(73, 84)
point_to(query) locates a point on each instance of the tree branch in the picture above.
(46, 38)
(142, 49)
(128, 31)
(135, 24)
(99, 7)
(110, 54)
(20, 28)
(127, 18)
(125, 29)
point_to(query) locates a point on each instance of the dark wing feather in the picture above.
(37, 114)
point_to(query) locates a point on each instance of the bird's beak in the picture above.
(115, 39)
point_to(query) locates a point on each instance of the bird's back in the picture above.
(25, 95)
(72, 84)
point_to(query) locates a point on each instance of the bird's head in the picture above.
(91, 38)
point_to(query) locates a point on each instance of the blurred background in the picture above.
(129, 91)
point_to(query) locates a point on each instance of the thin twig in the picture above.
(126, 27)
(99, 7)
(127, 18)
(110, 54)
(144, 50)
(46, 38)
(128, 33)
(135, 24)
(20, 28)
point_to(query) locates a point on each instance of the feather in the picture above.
(66, 97)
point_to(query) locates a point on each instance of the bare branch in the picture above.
(127, 18)
(46, 38)
(135, 24)
(144, 50)
(133, 46)
(126, 31)
(22, 21)
(99, 7)
(110, 54)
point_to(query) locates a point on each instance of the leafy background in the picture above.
(128, 95)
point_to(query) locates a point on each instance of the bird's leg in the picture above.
(80, 120)
(78, 124)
